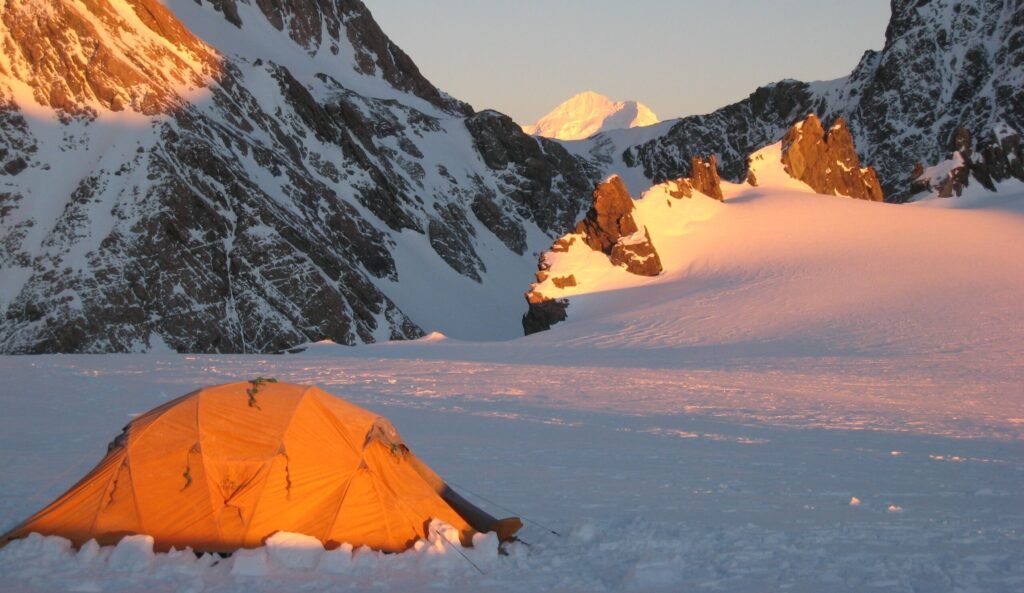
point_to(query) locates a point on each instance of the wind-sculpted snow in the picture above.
(316, 187)
(720, 466)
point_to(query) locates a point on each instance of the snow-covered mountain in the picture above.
(589, 113)
(244, 176)
(946, 64)
(239, 176)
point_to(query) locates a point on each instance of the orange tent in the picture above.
(225, 467)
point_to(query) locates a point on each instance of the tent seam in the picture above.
(270, 461)
(341, 502)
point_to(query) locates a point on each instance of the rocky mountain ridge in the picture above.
(945, 65)
(281, 174)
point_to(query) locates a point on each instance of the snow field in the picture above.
(651, 488)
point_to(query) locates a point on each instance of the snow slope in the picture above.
(778, 269)
(589, 113)
(818, 393)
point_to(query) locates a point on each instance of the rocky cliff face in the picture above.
(827, 161)
(946, 64)
(344, 27)
(248, 200)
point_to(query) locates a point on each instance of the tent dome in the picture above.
(225, 467)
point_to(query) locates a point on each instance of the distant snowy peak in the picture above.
(589, 113)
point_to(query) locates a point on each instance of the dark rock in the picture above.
(506, 228)
(539, 175)
(15, 166)
(731, 133)
(993, 158)
(828, 163)
(306, 22)
(451, 238)
(543, 313)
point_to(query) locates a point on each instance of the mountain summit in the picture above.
(587, 114)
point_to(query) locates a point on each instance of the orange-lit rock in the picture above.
(97, 53)
(828, 163)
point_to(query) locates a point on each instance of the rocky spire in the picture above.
(828, 163)
(609, 227)
(703, 178)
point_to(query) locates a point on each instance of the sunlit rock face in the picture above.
(288, 177)
(827, 161)
(945, 64)
(108, 54)
(704, 178)
(609, 227)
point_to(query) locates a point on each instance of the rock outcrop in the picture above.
(543, 313)
(609, 227)
(703, 178)
(988, 161)
(828, 162)
(636, 253)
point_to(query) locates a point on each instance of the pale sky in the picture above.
(680, 57)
